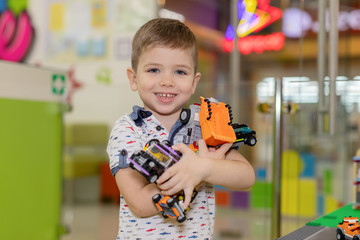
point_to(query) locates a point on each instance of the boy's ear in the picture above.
(196, 81)
(132, 78)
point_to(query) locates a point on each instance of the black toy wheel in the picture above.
(251, 141)
(185, 116)
(170, 202)
(356, 238)
(156, 198)
(181, 219)
(339, 235)
(153, 142)
(153, 177)
(166, 142)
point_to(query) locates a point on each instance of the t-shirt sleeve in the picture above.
(123, 142)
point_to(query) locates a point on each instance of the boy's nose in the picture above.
(167, 82)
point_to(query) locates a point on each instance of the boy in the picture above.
(164, 72)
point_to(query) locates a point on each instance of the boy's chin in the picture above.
(167, 110)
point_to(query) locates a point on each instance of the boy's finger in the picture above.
(188, 195)
(202, 144)
(212, 149)
(179, 147)
(169, 184)
(225, 147)
(164, 177)
(171, 191)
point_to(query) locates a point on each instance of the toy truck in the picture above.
(244, 135)
(212, 121)
(154, 159)
(349, 228)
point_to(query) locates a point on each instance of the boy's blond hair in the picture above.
(163, 32)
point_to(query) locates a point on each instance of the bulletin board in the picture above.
(94, 30)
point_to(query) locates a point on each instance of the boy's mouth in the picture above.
(165, 97)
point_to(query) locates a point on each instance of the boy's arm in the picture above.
(137, 192)
(135, 189)
(221, 167)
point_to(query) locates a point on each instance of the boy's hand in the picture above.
(184, 175)
(190, 171)
(211, 152)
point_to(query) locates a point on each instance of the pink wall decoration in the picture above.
(16, 36)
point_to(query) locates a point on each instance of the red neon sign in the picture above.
(16, 36)
(265, 15)
(256, 43)
(268, 13)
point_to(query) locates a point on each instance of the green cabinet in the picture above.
(31, 129)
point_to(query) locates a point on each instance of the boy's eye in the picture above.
(180, 72)
(153, 70)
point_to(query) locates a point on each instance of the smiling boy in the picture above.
(164, 73)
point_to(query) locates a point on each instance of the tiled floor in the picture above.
(90, 222)
(99, 222)
(86, 219)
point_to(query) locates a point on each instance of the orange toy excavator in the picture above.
(215, 120)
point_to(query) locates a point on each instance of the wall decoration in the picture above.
(129, 16)
(93, 30)
(77, 30)
(254, 15)
(56, 20)
(123, 48)
(103, 75)
(74, 85)
(16, 30)
(99, 13)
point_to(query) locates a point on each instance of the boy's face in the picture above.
(165, 79)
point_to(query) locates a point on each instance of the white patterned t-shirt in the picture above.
(131, 133)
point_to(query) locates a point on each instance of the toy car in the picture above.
(244, 135)
(349, 228)
(170, 207)
(154, 159)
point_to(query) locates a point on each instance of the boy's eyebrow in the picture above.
(153, 64)
(184, 66)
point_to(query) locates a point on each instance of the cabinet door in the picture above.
(30, 169)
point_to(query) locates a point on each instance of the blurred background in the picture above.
(290, 69)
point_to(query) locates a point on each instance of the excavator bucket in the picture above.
(215, 120)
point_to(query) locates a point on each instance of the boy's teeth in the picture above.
(165, 95)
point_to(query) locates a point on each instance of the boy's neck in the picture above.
(167, 120)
